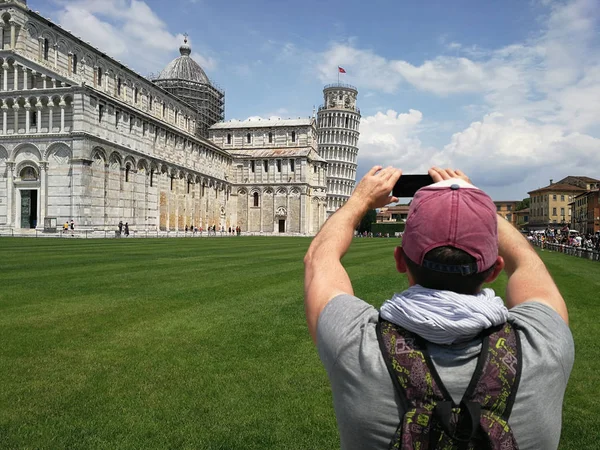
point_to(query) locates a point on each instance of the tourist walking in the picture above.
(126, 229)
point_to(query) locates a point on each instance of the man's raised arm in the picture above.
(324, 275)
(528, 278)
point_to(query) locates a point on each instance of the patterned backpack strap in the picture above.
(494, 385)
(417, 384)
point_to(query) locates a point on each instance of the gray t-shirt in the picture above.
(368, 408)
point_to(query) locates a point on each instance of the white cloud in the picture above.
(128, 30)
(539, 108)
(393, 138)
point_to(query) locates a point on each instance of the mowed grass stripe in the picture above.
(199, 343)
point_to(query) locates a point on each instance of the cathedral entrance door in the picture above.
(29, 208)
(282, 225)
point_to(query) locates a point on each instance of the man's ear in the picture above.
(498, 268)
(400, 262)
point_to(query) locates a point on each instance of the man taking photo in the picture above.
(445, 363)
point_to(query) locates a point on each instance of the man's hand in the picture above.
(373, 191)
(438, 174)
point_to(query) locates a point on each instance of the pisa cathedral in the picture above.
(85, 138)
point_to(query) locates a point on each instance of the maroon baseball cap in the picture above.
(452, 213)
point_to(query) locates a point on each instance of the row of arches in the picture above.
(154, 194)
(349, 121)
(284, 209)
(37, 114)
(15, 76)
(347, 171)
(61, 53)
(339, 153)
(338, 137)
(149, 166)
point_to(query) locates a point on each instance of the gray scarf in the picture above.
(444, 317)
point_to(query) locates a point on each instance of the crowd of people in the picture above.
(565, 236)
(123, 229)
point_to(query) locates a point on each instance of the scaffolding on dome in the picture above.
(207, 100)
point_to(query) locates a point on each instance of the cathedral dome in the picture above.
(184, 68)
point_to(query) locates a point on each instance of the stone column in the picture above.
(70, 63)
(27, 116)
(4, 118)
(50, 114)
(43, 190)
(95, 76)
(16, 81)
(2, 37)
(53, 82)
(16, 111)
(55, 56)
(39, 107)
(25, 78)
(5, 78)
(41, 48)
(62, 115)
(10, 190)
(13, 34)
(44, 81)
(33, 74)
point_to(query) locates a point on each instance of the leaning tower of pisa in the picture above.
(338, 121)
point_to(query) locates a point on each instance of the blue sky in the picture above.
(508, 91)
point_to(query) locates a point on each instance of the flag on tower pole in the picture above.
(340, 70)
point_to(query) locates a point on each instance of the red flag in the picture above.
(341, 69)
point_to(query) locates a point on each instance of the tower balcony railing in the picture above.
(345, 108)
(340, 85)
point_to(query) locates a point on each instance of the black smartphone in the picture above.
(408, 185)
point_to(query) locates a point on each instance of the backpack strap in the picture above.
(495, 383)
(418, 385)
(432, 419)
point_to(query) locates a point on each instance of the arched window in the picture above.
(248, 138)
(152, 178)
(270, 138)
(28, 173)
(229, 138)
(99, 76)
(135, 94)
(74, 62)
(127, 169)
(255, 195)
(46, 48)
(293, 136)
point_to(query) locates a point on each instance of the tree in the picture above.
(523, 204)
(365, 223)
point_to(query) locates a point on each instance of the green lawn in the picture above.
(201, 343)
